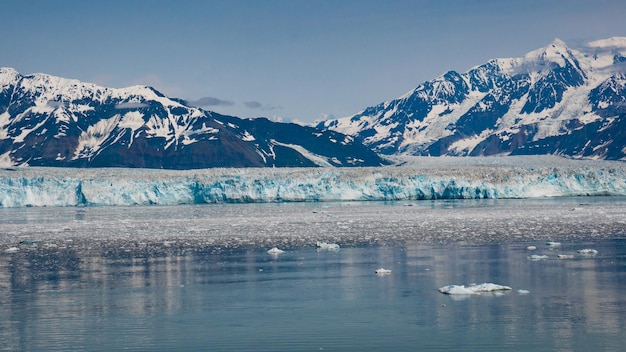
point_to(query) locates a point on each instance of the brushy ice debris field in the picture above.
(415, 178)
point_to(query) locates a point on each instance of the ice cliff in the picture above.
(415, 179)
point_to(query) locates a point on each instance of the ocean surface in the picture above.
(199, 277)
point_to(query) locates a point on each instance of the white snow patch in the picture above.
(4, 121)
(5, 160)
(89, 141)
(133, 120)
(468, 144)
(247, 137)
(317, 159)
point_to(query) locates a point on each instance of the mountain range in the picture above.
(53, 121)
(554, 100)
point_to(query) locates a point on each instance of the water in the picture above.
(199, 277)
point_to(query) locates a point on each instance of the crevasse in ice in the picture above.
(426, 178)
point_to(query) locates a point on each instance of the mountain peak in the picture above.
(8, 75)
(558, 43)
(556, 52)
(8, 71)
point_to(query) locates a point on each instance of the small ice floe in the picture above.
(472, 289)
(327, 246)
(553, 244)
(523, 292)
(12, 250)
(275, 251)
(537, 257)
(531, 248)
(587, 251)
(565, 256)
(382, 271)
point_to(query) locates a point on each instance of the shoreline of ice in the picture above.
(413, 179)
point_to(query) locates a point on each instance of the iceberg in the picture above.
(422, 179)
(538, 257)
(275, 251)
(588, 251)
(327, 246)
(472, 289)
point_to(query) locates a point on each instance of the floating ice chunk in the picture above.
(587, 251)
(537, 257)
(12, 250)
(275, 251)
(382, 271)
(553, 244)
(489, 287)
(472, 289)
(327, 246)
(531, 248)
(565, 256)
(456, 290)
(523, 292)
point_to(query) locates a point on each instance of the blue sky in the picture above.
(286, 59)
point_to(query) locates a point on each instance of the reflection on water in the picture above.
(199, 278)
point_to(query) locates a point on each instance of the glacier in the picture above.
(412, 178)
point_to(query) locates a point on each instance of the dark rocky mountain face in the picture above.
(554, 100)
(52, 121)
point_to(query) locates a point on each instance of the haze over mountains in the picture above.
(554, 100)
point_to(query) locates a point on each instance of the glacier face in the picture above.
(417, 179)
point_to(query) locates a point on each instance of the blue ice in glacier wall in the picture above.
(422, 178)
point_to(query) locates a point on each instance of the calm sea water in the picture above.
(200, 278)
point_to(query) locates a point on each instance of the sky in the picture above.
(288, 60)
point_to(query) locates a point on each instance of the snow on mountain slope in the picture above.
(53, 121)
(506, 106)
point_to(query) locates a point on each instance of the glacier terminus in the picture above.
(417, 178)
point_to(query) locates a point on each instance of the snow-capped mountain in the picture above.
(53, 121)
(554, 100)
